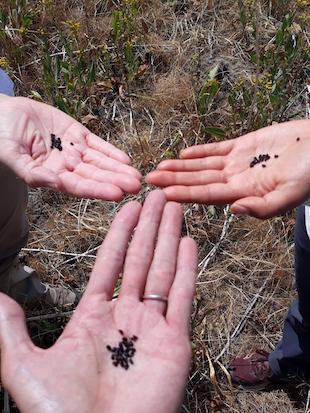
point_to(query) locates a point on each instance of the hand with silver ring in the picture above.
(127, 355)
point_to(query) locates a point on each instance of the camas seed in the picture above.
(122, 354)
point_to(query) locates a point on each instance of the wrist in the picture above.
(4, 97)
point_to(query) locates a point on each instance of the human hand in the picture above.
(86, 166)
(220, 173)
(77, 374)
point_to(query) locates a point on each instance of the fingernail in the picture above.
(239, 209)
(52, 185)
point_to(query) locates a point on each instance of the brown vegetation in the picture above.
(153, 103)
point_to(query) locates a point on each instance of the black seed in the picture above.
(134, 338)
(71, 143)
(297, 139)
(109, 347)
(131, 361)
(115, 363)
(276, 156)
(121, 332)
(264, 166)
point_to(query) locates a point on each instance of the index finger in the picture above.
(208, 149)
(112, 252)
(94, 142)
(216, 193)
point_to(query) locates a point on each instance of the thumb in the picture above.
(14, 337)
(273, 204)
(42, 177)
(26, 168)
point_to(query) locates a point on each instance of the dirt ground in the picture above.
(246, 271)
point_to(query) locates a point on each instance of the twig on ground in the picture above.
(205, 262)
(50, 316)
(243, 320)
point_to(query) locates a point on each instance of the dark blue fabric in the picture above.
(292, 355)
(6, 84)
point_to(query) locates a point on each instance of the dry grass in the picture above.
(246, 278)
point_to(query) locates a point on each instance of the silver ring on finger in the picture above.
(155, 297)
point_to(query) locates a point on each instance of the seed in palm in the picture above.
(56, 142)
(263, 157)
(123, 354)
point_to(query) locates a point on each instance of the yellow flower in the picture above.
(302, 3)
(304, 18)
(22, 30)
(249, 3)
(268, 85)
(211, 82)
(238, 84)
(73, 25)
(4, 63)
(41, 31)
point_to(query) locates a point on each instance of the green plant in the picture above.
(126, 38)
(206, 100)
(280, 68)
(69, 75)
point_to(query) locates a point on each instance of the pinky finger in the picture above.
(183, 288)
(209, 149)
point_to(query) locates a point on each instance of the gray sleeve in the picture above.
(6, 84)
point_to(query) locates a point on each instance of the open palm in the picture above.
(220, 173)
(82, 164)
(77, 373)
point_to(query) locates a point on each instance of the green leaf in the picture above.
(279, 38)
(206, 95)
(117, 24)
(214, 131)
(243, 17)
(253, 57)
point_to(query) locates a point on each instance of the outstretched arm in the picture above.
(46, 147)
(127, 355)
(263, 173)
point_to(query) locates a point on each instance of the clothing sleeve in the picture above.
(6, 84)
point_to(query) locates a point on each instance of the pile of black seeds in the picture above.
(261, 158)
(124, 353)
(56, 142)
